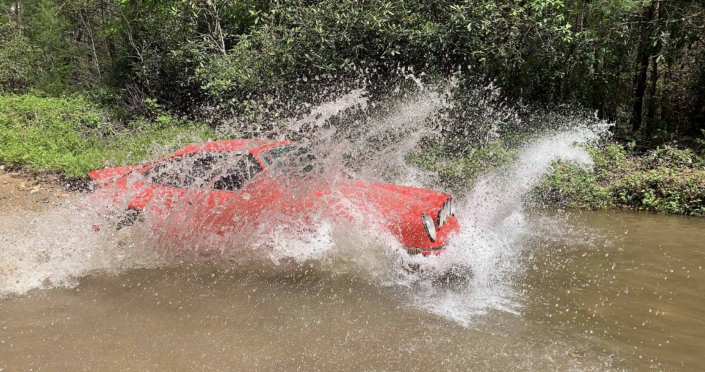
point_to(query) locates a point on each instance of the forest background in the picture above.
(85, 83)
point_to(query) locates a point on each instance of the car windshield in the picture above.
(291, 157)
(214, 171)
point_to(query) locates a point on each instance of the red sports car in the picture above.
(229, 187)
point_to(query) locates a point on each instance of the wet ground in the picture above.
(592, 291)
(30, 191)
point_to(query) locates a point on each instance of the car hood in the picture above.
(393, 200)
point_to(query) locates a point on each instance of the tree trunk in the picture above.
(697, 115)
(643, 57)
(651, 107)
(597, 90)
(15, 10)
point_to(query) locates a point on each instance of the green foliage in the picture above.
(73, 136)
(18, 59)
(235, 55)
(151, 59)
(574, 187)
(297, 38)
(668, 180)
(167, 43)
(458, 170)
(325, 38)
(41, 50)
(665, 190)
(672, 157)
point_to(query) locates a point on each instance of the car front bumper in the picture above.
(425, 251)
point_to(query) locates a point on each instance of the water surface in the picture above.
(592, 291)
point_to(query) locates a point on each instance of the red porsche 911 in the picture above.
(221, 187)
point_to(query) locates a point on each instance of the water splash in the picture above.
(52, 248)
(494, 228)
(483, 256)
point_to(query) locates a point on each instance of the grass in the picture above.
(73, 136)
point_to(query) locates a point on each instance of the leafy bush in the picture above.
(18, 67)
(574, 187)
(323, 38)
(74, 136)
(458, 170)
(672, 157)
(668, 180)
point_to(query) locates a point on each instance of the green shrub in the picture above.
(668, 180)
(668, 190)
(74, 136)
(574, 187)
(459, 169)
(672, 157)
(18, 67)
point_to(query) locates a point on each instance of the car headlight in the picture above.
(429, 226)
(445, 212)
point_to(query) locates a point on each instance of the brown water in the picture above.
(589, 292)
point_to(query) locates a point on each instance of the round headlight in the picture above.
(429, 226)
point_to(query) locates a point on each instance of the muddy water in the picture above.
(590, 292)
(636, 285)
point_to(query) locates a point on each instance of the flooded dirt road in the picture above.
(593, 292)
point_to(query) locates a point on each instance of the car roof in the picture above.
(254, 145)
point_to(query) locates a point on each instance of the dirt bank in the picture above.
(30, 190)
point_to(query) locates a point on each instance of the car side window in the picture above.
(184, 171)
(237, 175)
(290, 159)
(274, 153)
(170, 173)
(219, 171)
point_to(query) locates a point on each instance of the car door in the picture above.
(234, 199)
(209, 217)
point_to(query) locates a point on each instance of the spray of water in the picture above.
(52, 248)
(494, 230)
